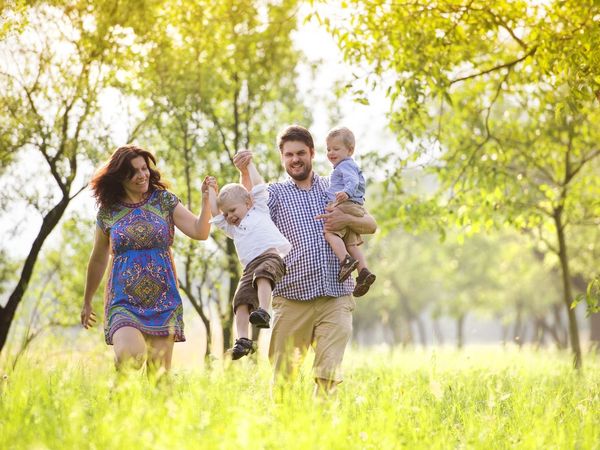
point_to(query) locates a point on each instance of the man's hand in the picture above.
(242, 159)
(334, 220)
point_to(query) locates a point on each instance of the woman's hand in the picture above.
(209, 181)
(88, 316)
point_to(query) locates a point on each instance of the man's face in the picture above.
(297, 159)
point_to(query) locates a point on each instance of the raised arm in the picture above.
(212, 198)
(242, 160)
(255, 177)
(195, 227)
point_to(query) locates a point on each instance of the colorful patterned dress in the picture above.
(142, 286)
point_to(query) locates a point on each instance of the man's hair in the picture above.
(232, 191)
(346, 135)
(295, 133)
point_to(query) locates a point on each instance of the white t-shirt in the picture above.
(256, 232)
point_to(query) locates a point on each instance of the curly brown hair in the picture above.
(107, 182)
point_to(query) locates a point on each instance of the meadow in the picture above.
(480, 398)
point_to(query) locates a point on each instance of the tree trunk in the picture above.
(7, 313)
(567, 292)
(460, 331)
(437, 332)
(595, 332)
(518, 327)
(421, 331)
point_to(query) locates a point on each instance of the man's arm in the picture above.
(242, 160)
(255, 177)
(336, 220)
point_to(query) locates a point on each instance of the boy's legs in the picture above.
(337, 245)
(358, 255)
(242, 313)
(263, 289)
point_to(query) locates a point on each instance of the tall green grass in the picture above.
(485, 398)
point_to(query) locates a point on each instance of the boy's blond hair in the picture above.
(232, 192)
(346, 135)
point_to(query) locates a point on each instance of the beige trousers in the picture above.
(325, 323)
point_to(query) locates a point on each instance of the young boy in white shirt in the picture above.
(244, 216)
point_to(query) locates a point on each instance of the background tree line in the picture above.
(494, 103)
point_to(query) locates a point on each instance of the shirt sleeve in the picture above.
(272, 202)
(350, 178)
(260, 197)
(221, 223)
(168, 201)
(102, 221)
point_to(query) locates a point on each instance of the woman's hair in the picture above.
(296, 133)
(107, 182)
(232, 192)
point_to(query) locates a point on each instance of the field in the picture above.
(483, 398)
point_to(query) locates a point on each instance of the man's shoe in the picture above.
(363, 282)
(260, 318)
(242, 347)
(348, 266)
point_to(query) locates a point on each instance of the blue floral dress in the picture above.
(142, 287)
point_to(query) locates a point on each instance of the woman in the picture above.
(142, 310)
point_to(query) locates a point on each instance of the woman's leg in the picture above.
(160, 353)
(130, 348)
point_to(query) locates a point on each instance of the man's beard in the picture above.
(301, 176)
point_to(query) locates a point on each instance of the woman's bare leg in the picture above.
(130, 348)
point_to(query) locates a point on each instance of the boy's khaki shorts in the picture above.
(355, 209)
(269, 266)
(325, 323)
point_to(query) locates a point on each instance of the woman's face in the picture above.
(140, 180)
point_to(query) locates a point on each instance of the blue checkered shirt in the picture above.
(311, 265)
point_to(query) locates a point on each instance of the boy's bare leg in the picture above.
(263, 289)
(337, 245)
(358, 255)
(242, 315)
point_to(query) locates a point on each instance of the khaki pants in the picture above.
(324, 323)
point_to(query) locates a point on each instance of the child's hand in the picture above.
(242, 159)
(341, 197)
(209, 182)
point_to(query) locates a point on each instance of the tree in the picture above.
(52, 73)
(219, 77)
(506, 93)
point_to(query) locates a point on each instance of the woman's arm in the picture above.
(95, 271)
(192, 226)
(336, 220)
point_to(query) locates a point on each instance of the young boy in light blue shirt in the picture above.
(347, 192)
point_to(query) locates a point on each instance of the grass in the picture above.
(483, 398)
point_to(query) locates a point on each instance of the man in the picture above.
(311, 308)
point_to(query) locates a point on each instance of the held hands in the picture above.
(209, 182)
(341, 197)
(242, 159)
(88, 316)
